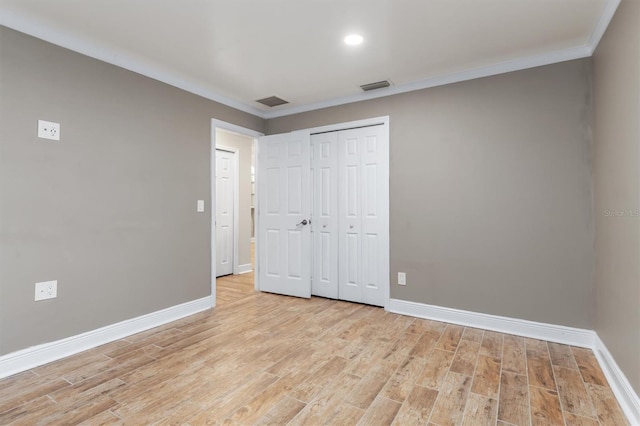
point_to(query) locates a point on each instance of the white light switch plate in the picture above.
(200, 206)
(48, 130)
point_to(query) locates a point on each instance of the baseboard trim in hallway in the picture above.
(34, 356)
(244, 269)
(627, 397)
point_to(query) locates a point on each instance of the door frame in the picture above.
(219, 124)
(236, 202)
(384, 121)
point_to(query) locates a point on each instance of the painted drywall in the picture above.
(490, 192)
(110, 210)
(616, 82)
(244, 146)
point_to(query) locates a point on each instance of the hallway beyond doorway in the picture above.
(231, 288)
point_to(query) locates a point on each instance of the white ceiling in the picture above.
(237, 51)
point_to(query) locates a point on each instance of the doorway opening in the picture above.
(370, 262)
(232, 216)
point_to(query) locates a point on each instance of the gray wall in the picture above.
(490, 192)
(491, 198)
(617, 188)
(109, 211)
(244, 145)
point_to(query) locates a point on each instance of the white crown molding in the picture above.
(607, 14)
(441, 80)
(112, 56)
(625, 394)
(519, 327)
(34, 356)
(48, 33)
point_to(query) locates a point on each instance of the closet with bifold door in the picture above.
(350, 248)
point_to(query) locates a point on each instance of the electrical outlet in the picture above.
(200, 206)
(48, 130)
(46, 290)
(402, 278)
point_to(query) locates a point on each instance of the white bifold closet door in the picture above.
(350, 205)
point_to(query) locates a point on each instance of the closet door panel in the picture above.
(350, 210)
(362, 187)
(375, 258)
(325, 215)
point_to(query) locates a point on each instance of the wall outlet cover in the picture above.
(402, 278)
(46, 290)
(48, 130)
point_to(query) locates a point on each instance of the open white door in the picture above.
(284, 212)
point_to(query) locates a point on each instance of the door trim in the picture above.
(236, 202)
(383, 120)
(219, 124)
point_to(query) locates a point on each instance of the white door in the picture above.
(324, 156)
(284, 213)
(362, 215)
(225, 194)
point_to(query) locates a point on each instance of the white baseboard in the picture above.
(34, 356)
(519, 327)
(627, 397)
(243, 269)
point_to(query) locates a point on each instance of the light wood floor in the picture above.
(260, 358)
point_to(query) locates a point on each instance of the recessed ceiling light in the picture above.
(353, 39)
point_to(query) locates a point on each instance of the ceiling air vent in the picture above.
(376, 85)
(272, 101)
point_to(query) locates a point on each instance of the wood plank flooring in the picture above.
(262, 359)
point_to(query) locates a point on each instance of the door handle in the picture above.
(303, 222)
